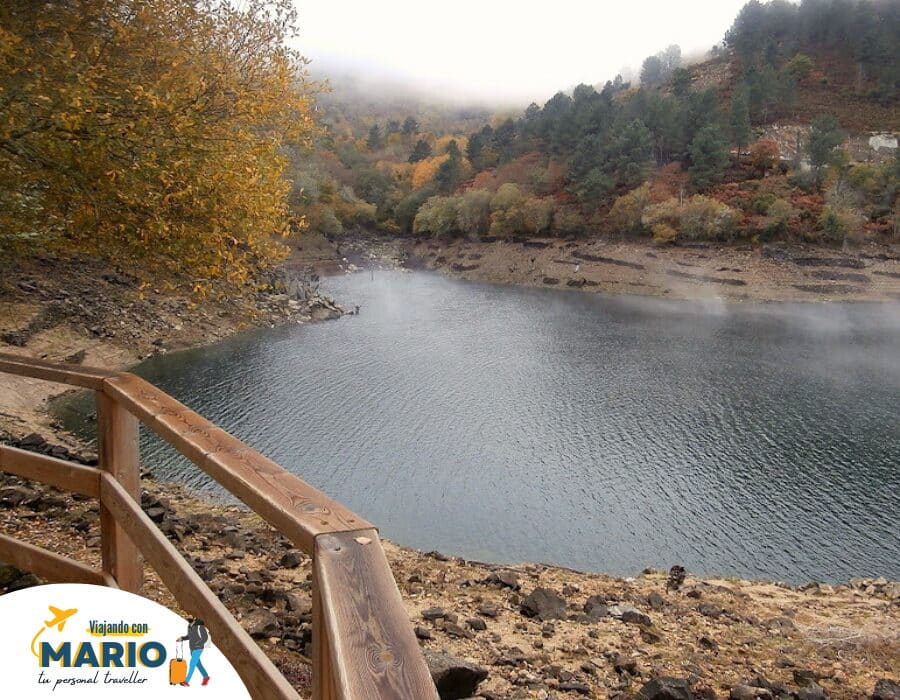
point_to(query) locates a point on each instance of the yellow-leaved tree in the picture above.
(151, 132)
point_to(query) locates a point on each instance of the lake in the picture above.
(596, 432)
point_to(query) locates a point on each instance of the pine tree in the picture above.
(449, 172)
(824, 137)
(421, 151)
(709, 157)
(410, 126)
(740, 118)
(375, 140)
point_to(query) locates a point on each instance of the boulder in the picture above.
(544, 604)
(749, 692)
(656, 601)
(23, 582)
(665, 688)
(627, 613)
(8, 574)
(595, 608)
(886, 689)
(813, 691)
(507, 579)
(454, 678)
(291, 560)
(575, 687)
(260, 623)
(432, 614)
(710, 610)
(477, 624)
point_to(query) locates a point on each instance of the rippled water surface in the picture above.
(601, 433)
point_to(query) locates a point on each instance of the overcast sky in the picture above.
(489, 49)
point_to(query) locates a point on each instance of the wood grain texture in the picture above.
(262, 679)
(323, 679)
(74, 375)
(300, 511)
(49, 565)
(374, 653)
(68, 476)
(118, 435)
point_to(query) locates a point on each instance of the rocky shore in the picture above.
(82, 312)
(701, 271)
(525, 631)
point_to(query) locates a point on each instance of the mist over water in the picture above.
(602, 433)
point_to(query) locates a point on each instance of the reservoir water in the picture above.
(596, 432)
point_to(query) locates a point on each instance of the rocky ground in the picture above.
(82, 312)
(526, 631)
(691, 271)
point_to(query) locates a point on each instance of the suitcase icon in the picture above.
(177, 666)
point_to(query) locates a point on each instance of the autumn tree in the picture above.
(150, 132)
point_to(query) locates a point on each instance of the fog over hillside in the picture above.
(502, 53)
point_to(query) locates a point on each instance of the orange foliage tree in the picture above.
(150, 132)
(764, 154)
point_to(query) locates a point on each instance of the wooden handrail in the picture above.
(50, 565)
(258, 673)
(284, 500)
(73, 375)
(363, 645)
(68, 476)
(372, 646)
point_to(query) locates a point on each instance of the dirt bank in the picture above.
(82, 312)
(700, 271)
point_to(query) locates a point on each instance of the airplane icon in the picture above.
(61, 616)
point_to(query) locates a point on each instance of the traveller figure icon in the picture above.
(197, 636)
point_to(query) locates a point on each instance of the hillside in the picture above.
(767, 139)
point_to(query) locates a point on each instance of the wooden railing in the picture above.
(363, 644)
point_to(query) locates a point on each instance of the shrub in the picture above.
(764, 155)
(700, 217)
(799, 66)
(323, 220)
(567, 221)
(507, 196)
(804, 181)
(837, 224)
(507, 222)
(627, 211)
(708, 219)
(664, 233)
(760, 203)
(437, 216)
(537, 214)
(474, 212)
(780, 215)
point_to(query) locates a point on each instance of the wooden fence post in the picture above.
(118, 432)
(323, 686)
